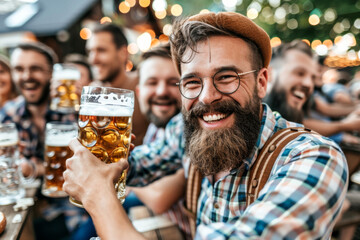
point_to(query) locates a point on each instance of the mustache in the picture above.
(23, 83)
(163, 98)
(225, 107)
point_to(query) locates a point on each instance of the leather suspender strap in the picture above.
(261, 169)
(193, 189)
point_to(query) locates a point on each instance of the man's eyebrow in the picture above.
(213, 71)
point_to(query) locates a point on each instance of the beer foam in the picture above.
(66, 74)
(59, 140)
(8, 142)
(105, 110)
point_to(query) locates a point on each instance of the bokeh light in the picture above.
(124, 7)
(159, 5)
(275, 41)
(314, 20)
(151, 32)
(144, 3)
(160, 14)
(85, 33)
(133, 48)
(105, 20)
(163, 38)
(176, 10)
(315, 43)
(204, 11)
(337, 39)
(131, 2)
(129, 66)
(144, 41)
(330, 15)
(252, 13)
(328, 43)
(306, 41)
(321, 50)
(292, 24)
(167, 29)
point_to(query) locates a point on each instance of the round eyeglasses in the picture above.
(225, 81)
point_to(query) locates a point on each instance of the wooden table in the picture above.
(13, 230)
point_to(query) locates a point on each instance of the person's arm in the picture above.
(160, 195)
(301, 199)
(348, 124)
(160, 158)
(91, 181)
(333, 110)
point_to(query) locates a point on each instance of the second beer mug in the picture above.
(57, 138)
(105, 126)
(64, 78)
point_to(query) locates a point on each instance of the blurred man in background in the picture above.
(108, 55)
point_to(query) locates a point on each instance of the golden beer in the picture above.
(58, 136)
(68, 99)
(55, 159)
(105, 124)
(64, 78)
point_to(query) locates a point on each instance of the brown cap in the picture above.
(240, 25)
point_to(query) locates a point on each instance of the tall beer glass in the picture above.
(64, 78)
(105, 123)
(11, 176)
(57, 138)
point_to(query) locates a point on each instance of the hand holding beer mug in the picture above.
(11, 177)
(64, 79)
(57, 138)
(105, 127)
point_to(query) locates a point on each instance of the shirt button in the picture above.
(216, 205)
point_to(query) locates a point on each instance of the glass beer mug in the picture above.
(105, 123)
(11, 178)
(57, 138)
(64, 78)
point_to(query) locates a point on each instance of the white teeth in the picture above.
(299, 94)
(214, 117)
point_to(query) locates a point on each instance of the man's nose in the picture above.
(209, 93)
(162, 89)
(93, 57)
(308, 81)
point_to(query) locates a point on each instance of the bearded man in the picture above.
(222, 59)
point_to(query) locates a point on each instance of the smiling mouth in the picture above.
(299, 94)
(30, 85)
(214, 117)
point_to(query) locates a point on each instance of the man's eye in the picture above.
(191, 83)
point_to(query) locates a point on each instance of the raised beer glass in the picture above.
(11, 178)
(57, 138)
(105, 123)
(64, 78)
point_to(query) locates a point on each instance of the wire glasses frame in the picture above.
(225, 81)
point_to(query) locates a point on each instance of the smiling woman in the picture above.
(7, 86)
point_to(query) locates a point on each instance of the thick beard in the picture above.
(112, 76)
(45, 95)
(276, 100)
(157, 121)
(213, 151)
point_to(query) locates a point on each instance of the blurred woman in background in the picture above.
(7, 86)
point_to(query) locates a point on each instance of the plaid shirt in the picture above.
(301, 198)
(32, 142)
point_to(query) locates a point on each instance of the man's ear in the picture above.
(137, 90)
(262, 81)
(123, 53)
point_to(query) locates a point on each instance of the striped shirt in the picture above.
(300, 200)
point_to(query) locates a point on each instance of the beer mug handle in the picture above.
(29, 179)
